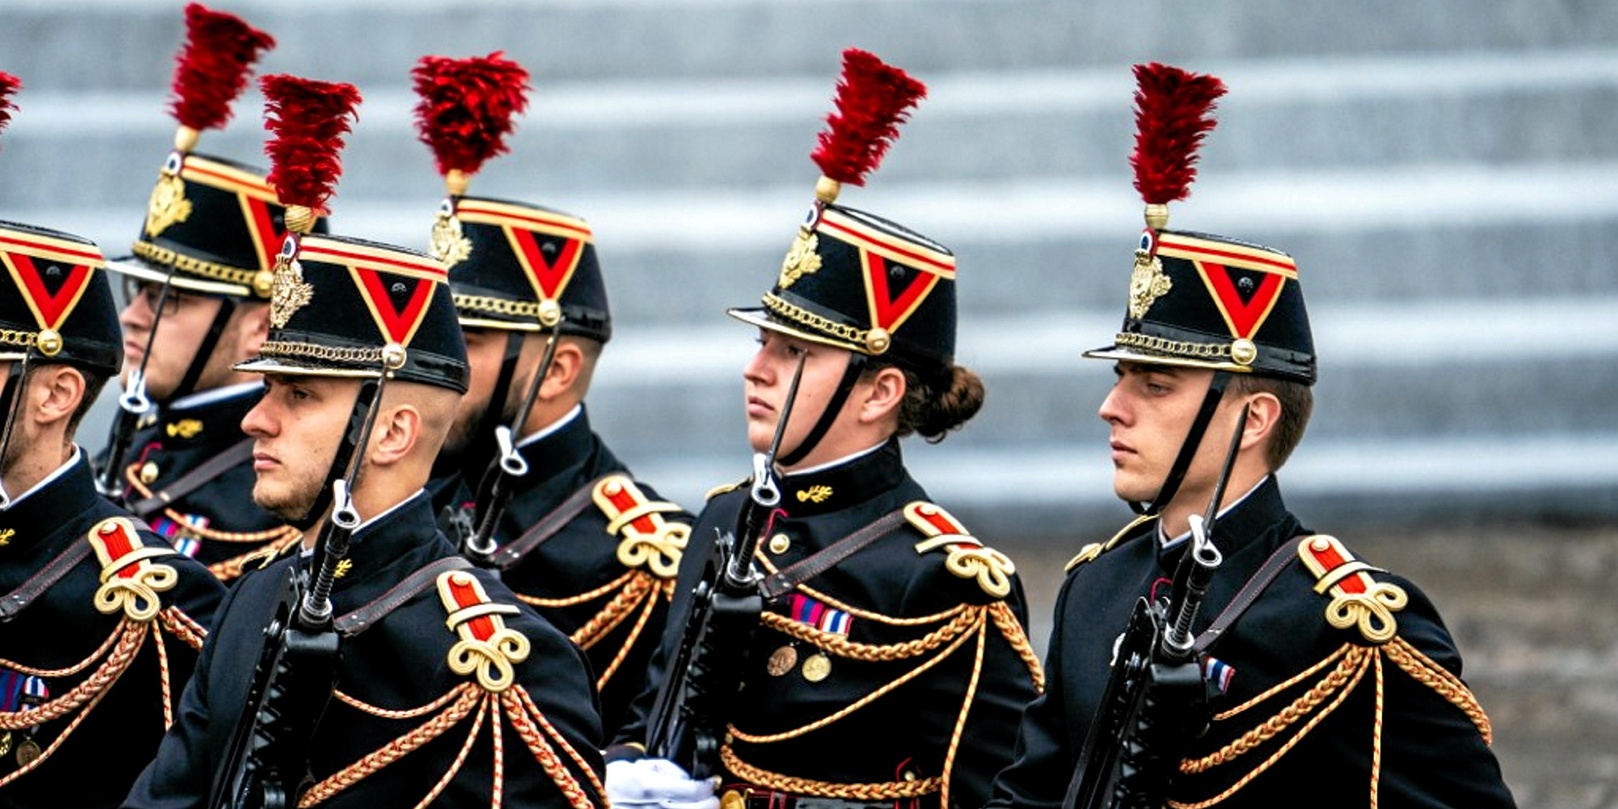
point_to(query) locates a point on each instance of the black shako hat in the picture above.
(520, 267)
(1196, 299)
(55, 303)
(352, 308)
(212, 226)
(852, 279)
(513, 266)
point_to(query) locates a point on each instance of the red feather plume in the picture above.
(308, 119)
(872, 100)
(212, 67)
(9, 85)
(1172, 115)
(466, 107)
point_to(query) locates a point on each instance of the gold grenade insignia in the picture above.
(801, 259)
(449, 245)
(288, 293)
(1147, 283)
(168, 204)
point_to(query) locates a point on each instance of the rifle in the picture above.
(1157, 696)
(687, 721)
(266, 764)
(477, 544)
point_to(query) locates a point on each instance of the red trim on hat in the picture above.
(548, 279)
(1244, 318)
(397, 326)
(888, 312)
(319, 251)
(267, 239)
(50, 309)
(891, 246)
(1240, 258)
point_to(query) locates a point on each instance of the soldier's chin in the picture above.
(286, 505)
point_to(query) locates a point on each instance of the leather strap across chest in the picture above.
(782, 581)
(195, 479)
(18, 600)
(352, 623)
(548, 526)
(1249, 593)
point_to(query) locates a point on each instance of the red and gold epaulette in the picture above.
(1091, 551)
(1356, 598)
(646, 538)
(130, 580)
(486, 645)
(968, 557)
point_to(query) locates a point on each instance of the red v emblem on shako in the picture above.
(395, 287)
(52, 275)
(549, 276)
(893, 290)
(1244, 283)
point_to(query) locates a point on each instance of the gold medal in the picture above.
(782, 661)
(27, 752)
(816, 667)
(732, 799)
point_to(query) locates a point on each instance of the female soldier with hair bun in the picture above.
(889, 664)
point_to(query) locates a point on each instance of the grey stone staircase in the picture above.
(1445, 175)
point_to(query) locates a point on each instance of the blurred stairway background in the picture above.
(1446, 176)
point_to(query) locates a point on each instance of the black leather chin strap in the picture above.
(358, 417)
(1188, 450)
(199, 360)
(845, 386)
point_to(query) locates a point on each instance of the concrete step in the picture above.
(1361, 114)
(367, 41)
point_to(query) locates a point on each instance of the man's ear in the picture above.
(395, 434)
(887, 392)
(1264, 413)
(564, 370)
(254, 325)
(55, 392)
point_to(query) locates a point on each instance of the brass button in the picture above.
(148, 472)
(731, 799)
(780, 543)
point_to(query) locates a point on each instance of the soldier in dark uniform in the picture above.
(890, 659)
(100, 620)
(1339, 684)
(449, 692)
(574, 534)
(197, 301)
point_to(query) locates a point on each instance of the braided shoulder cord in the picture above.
(960, 721)
(633, 636)
(1439, 679)
(1013, 632)
(469, 696)
(163, 680)
(88, 693)
(536, 715)
(117, 636)
(570, 601)
(203, 531)
(960, 639)
(231, 568)
(639, 586)
(183, 627)
(880, 791)
(1288, 683)
(407, 713)
(841, 646)
(542, 751)
(1342, 680)
(1376, 737)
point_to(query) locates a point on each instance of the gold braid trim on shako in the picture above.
(968, 557)
(473, 617)
(124, 557)
(1358, 601)
(942, 635)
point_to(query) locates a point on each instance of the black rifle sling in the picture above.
(195, 479)
(513, 552)
(783, 581)
(1249, 593)
(352, 623)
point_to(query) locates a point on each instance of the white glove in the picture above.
(656, 783)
